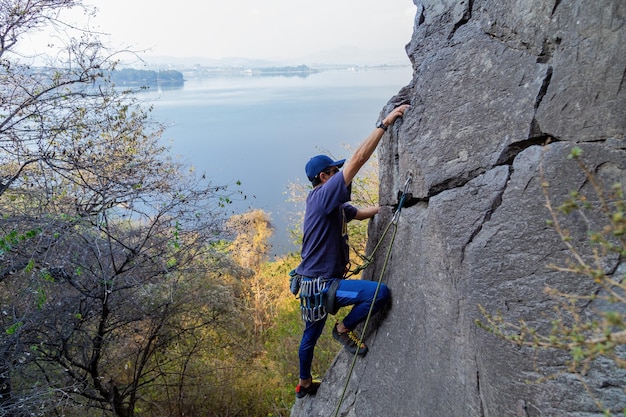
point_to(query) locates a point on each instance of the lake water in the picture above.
(261, 130)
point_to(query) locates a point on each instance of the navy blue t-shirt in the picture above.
(325, 250)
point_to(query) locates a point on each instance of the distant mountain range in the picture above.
(343, 56)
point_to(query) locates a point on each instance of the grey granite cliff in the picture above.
(493, 81)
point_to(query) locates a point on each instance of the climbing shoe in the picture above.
(301, 391)
(350, 340)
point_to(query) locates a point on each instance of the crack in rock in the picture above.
(495, 204)
(467, 15)
(509, 154)
(556, 4)
(544, 88)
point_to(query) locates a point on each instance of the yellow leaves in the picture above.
(252, 231)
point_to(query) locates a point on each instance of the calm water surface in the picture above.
(261, 131)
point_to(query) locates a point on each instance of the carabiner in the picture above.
(409, 180)
(405, 192)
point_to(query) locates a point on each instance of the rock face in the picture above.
(493, 81)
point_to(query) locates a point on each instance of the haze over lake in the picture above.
(261, 130)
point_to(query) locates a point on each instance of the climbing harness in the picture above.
(317, 295)
(394, 223)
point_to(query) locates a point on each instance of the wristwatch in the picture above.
(382, 126)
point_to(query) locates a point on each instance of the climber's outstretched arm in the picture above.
(368, 146)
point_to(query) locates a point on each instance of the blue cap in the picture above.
(319, 163)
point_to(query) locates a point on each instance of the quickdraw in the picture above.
(313, 293)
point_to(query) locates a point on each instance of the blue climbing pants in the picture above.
(356, 292)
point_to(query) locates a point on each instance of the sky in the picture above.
(255, 29)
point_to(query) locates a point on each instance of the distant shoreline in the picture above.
(176, 77)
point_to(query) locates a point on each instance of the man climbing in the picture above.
(325, 254)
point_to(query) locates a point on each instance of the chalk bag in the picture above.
(294, 282)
